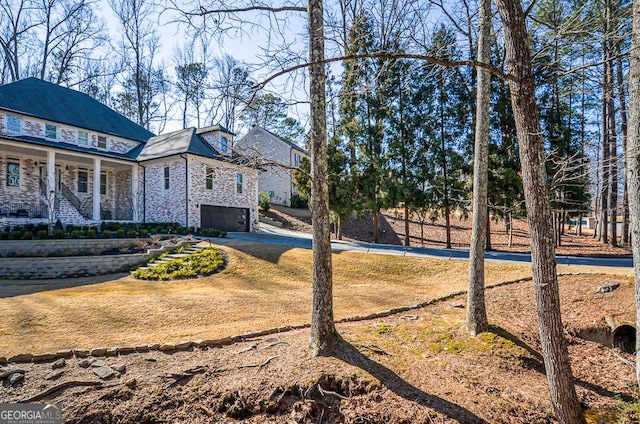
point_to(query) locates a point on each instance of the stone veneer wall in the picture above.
(29, 190)
(224, 189)
(271, 149)
(165, 205)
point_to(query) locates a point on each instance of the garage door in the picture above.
(223, 218)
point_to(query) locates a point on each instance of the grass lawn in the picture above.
(263, 286)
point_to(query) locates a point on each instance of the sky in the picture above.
(245, 46)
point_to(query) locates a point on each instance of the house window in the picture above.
(239, 183)
(224, 144)
(83, 138)
(296, 159)
(13, 124)
(102, 142)
(166, 178)
(103, 182)
(209, 178)
(51, 132)
(83, 180)
(13, 173)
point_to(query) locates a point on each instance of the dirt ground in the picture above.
(433, 234)
(417, 367)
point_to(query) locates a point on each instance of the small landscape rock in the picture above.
(120, 368)
(183, 345)
(154, 346)
(142, 348)
(3, 360)
(60, 363)
(84, 363)
(104, 373)
(97, 363)
(151, 359)
(98, 351)
(132, 383)
(125, 350)
(55, 375)
(458, 305)
(15, 378)
(199, 343)
(65, 353)
(608, 287)
(4, 373)
(111, 351)
(81, 353)
(167, 346)
(23, 357)
(43, 357)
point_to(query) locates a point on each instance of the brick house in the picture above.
(278, 158)
(67, 156)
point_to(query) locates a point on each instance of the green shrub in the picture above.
(42, 234)
(144, 233)
(58, 234)
(132, 233)
(120, 233)
(75, 234)
(264, 201)
(58, 225)
(91, 234)
(4, 236)
(106, 234)
(203, 262)
(223, 234)
(298, 201)
(28, 235)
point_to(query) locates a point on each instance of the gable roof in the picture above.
(41, 99)
(176, 143)
(257, 128)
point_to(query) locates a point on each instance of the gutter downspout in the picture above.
(186, 190)
(144, 193)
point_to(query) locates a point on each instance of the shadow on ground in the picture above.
(392, 381)
(13, 288)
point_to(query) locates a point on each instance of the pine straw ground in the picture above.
(416, 367)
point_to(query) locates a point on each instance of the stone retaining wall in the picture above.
(61, 247)
(72, 266)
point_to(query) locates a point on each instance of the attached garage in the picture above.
(224, 218)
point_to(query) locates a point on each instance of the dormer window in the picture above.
(51, 132)
(102, 142)
(13, 124)
(83, 138)
(224, 144)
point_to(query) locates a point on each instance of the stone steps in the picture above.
(186, 252)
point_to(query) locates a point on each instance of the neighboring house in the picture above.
(277, 157)
(67, 156)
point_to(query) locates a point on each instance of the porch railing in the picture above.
(22, 210)
(75, 202)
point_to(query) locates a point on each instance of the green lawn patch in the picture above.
(204, 262)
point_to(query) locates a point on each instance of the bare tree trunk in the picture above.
(376, 225)
(527, 118)
(624, 237)
(477, 321)
(488, 247)
(633, 162)
(406, 223)
(604, 194)
(613, 158)
(510, 228)
(324, 335)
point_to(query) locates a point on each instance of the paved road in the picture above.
(273, 235)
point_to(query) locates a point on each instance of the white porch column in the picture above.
(134, 192)
(96, 189)
(50, 188)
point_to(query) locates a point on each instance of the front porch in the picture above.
(37, 183)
